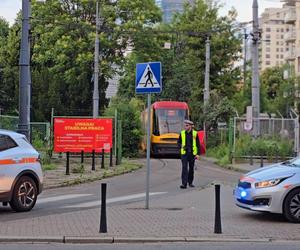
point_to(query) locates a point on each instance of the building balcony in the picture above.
(290, 36)
(290, 16)
(290, 55)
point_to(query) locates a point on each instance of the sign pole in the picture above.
(147, 81)
(148, 153)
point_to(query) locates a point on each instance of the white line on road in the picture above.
(112, 200)
(61, 197)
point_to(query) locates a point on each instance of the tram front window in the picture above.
(169, 120)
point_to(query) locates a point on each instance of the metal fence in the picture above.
(38, 130)
(269, 127)
(9, 122)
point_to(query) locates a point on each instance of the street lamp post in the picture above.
(255, 71)
(96, 67)
(207, 68)
(25, 78)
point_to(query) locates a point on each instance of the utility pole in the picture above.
(25, 78)
(255, 71)
(96, 67)
(207, 67)
(245, 55)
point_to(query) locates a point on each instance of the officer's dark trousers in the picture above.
(187, 174)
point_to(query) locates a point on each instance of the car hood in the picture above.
(272, 172)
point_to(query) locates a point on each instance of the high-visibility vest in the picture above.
(183, 142)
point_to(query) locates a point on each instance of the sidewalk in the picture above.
(240, 167)
(185, 216)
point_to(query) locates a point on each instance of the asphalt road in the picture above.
(164, 181)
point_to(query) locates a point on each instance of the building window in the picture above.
(268, 49)
(267, 55)
(277, 50)
(268, 36)
(268, 29)
(268, 63)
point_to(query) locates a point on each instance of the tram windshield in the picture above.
(169, 120)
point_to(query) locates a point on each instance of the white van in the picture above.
(21, 175)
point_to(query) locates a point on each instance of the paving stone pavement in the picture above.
(190, 213)
(187, 214)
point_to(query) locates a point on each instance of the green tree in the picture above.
(129, 113)
(9, 61)
(184, 65)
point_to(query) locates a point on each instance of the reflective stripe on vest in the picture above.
(183, 142)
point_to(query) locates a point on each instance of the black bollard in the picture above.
(103, 224)
(102, 162)
(261, 161)
(251, 159)
(82, 156)
(93, 160)
(218, 226)
(68, 164)
(117, 161)
(110, 158)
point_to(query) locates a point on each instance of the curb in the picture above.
(131, 240)
(30, 239)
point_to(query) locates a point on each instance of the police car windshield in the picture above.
(293, 162)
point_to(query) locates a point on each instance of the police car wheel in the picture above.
(24, 195)
(291, 206)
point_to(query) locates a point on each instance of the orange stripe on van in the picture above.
(21, 161)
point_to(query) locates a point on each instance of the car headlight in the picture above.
(271, 183)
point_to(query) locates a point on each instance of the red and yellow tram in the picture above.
(167, 118)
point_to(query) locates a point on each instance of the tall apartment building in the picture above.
(170, 7)
(275, 39)
(292, 19)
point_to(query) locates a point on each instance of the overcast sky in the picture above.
(9, 8)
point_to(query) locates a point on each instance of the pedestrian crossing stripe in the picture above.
(148, 79)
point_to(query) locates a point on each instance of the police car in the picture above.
(21, 175)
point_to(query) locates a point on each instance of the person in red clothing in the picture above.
(189, 145)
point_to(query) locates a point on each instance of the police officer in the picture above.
(189, 145)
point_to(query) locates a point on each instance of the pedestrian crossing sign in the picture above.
(148, 78)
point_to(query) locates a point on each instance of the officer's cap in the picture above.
(188, 122)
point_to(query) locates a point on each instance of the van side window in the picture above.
(6, 143)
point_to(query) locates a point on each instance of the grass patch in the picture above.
(123, 168)
(47, 167)
(78, 169)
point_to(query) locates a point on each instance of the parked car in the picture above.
(21, 175)
(274, 189)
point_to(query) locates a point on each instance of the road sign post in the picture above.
(148, 80)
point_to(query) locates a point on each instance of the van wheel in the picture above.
(24, 195)
(291, 206)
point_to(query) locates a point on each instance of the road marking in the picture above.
(61, 197)
(112, 200)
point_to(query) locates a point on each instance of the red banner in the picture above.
(87, 134)
(201, 136)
